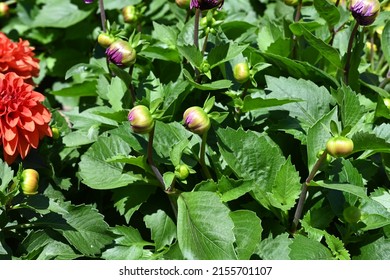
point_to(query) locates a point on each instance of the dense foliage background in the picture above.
(98, 196)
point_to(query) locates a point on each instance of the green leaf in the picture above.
(254, 157)
(251, 103)
(192, 54)
(287, 187)
(235, 191)
(374, 214)
(350, 108)
(83, 68)
(247, 230)
(6, 175)
(60, 14)
(348, 188)
(84, 89)
(128, 245)
(216, 85)
(327, 52)
(377, 250)
(162, 227)
(277, 248)
(365, 141)
(327, 11)
(156, 52)
(318, 135)
(337, 247)
(165, 34)
(385, 41)
(130, 199)
(115, 93)
(204, 228)
(315, 100)
(303, 248)
(97, 173)
(56, 250)
(223, 53)
(177, 151)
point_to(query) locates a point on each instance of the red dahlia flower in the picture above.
(18, 57)
(23, 119)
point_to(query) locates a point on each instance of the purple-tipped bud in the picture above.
(121, 53)
(88, 1)
(141, 119)
(29, 181)
(365, 11)
(196, 120)
(206, 4)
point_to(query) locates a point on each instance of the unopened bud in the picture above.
(241, 72)
(182, 171)
(29, 181)
(141, 119)
(196, 120)
(130, 14)
(4, 9)
(121, 53)
(365, 11)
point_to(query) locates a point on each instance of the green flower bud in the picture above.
(4, 9)
(130, 14)
(196, 120)
(184, 4)
(141, 119)
(365, 11)
(351, 214)
(182, 171)
(339, 146)
(205, 67)
(29, 181)
(241, 72)
(291, 2)
(207, 22)
(121, 53)
(328, 156)
(55, 133)
(105, 40)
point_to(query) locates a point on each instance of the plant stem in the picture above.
(131, 86)
(349, 51)
(202, 157)
(151, 162)
(205, 44)
(102, 15)
(296, 19)
(384, 82)
(298, 11)
(302, 197)
(196, 35)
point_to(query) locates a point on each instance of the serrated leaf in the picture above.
(6, 175)
(239, 189)
(315, 100)
(368, 141)
(192, 54)
(377, 250)
(286, 187)
(348, 188)
(385, 41)
(177, 151)
(128, 245)
(223, 53)
(87, 88)
(97, 173)
(162, 227)
(166, 54)
(247, 230)
(327, 11)
(303, 248)
(374, 214)
(253, 157)
(215, 85)
(337, 247)
(115, 93)
(277, 248)
(56, 250)
(165, 34)
(251, 103)
(204, 228)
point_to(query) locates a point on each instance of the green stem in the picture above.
(302, 197)
(151, 162)
(102, 15)
(196, 35)
(296, 19)
(349, 51)
(202, 156)
(131, 86)
(205, 44)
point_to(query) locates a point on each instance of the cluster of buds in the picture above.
(365, 11)
(209, 24)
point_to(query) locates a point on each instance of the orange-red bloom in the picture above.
(23, 119)
(18, 57)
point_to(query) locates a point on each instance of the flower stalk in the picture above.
(102, 15)
(349, 52)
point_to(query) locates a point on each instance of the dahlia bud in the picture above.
(29, 181)
(4, 9)
(196, 120)
(105, 40)
(130, 14)
(206, 4)
(121, 53)
(184, 4)
(291, 2)
(55, 133)
(241, 72)
(365, 11)
(141, 119)
(182, 171)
